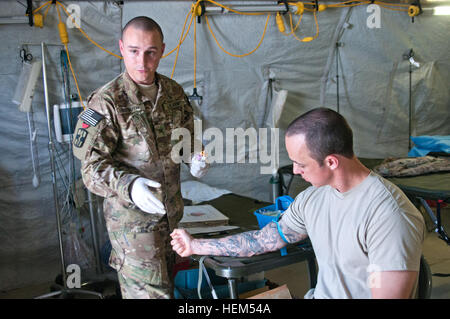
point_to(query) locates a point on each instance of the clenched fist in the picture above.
(182, 242)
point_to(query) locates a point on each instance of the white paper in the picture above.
(200, 192)
(209, 230)
(202, 214)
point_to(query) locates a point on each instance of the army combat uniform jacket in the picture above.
(121, 136)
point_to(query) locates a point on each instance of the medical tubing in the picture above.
(202, 268)
(33, 149)
(69, 117)
(213, 291)
(65, 40)
(200, 274)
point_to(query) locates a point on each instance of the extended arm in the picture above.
(193, 155)
(240, 245)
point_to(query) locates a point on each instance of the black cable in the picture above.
(29, 12)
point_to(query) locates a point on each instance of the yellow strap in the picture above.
(238, 55)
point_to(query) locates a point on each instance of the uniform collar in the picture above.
(132, 90)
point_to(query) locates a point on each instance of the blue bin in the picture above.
(186, 285)
(281, 204)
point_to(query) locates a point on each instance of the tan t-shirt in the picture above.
(373, 227)
(150, 91)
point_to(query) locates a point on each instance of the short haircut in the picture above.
(143, 23)
(326, 132)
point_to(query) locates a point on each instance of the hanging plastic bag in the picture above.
(76, 251)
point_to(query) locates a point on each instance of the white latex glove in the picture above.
(143, 197)
(199, 166)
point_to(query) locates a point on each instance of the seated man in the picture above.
(366, 234)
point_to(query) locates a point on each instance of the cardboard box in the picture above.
(281, 292)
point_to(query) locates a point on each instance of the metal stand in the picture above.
(275, 182)
(410, 57)
(338, 44)
(234, 268)
(64, 291)
(436, 219)
(410, 107)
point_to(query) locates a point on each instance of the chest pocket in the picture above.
(164, 124)
(175, 109)
(137, 134)
(139, 119)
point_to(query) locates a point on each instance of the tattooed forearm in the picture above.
(241, 245)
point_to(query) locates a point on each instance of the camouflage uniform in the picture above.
(133, 139)
(412, 166)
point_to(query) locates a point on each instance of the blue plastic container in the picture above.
(281, 204)
(186, 285)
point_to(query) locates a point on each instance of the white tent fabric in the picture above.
(237, 93)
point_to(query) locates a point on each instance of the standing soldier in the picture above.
(123, 140)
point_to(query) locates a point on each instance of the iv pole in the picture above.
(338, 44)
(410, 57)
(51, 146)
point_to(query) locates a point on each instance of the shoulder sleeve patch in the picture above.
(85, 131)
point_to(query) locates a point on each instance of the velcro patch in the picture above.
(80, 137)
(91, 117)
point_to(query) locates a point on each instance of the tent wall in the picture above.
(29, 252)
(237, 93)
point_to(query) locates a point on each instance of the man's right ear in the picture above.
(332, 161)
(121, 46)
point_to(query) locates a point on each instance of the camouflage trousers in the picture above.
(143, 259)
